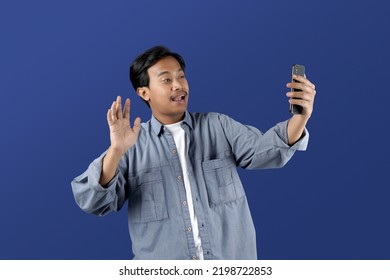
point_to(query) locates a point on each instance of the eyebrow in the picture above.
(167, 72)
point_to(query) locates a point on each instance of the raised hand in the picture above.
(122, 136)
(305, 97)
(297, 123)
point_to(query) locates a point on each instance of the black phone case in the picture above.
(297, 70)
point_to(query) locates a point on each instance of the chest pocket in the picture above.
(222, 181)
(147, 201)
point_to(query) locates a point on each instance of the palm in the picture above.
(122, 136)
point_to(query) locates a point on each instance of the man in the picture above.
(178, 170)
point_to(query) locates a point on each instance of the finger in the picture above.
(126, 111)
(300, 78)
(304, 80)
(301, 86)
(137, 125)
(310, 84)
(119, 107)
(109, 117)
(296, 85)
(113, 111)
(308, 89)
(300, 102)
(301, 95)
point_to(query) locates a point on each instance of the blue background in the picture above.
(62, 63)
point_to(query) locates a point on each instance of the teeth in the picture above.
(178, 98)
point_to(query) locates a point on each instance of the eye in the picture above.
(167, 80)
(181, 75)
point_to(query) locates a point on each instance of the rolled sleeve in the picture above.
(300, 145)
(93, 197)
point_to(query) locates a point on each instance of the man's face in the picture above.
(167, 92)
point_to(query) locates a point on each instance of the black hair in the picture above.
(139, 67)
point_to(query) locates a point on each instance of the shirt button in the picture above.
(184, 203)
(189, 229)
(179, 177)
(193, 258)
(174, 151)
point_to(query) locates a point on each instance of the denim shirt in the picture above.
(150, 178)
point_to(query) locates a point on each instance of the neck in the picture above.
(164, 119)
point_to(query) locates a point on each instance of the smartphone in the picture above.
(296, 70)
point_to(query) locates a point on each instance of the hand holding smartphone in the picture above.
(296, 70)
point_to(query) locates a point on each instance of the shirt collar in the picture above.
(158, 128)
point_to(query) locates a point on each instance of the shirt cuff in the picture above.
(94, 173)
(300, 145)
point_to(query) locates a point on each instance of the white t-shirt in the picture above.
(178, 134)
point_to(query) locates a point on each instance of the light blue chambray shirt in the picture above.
(150, 178)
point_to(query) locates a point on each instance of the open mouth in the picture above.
(179, 98)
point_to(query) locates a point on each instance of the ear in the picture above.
(143, 92)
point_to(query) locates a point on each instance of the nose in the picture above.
(176, 85)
